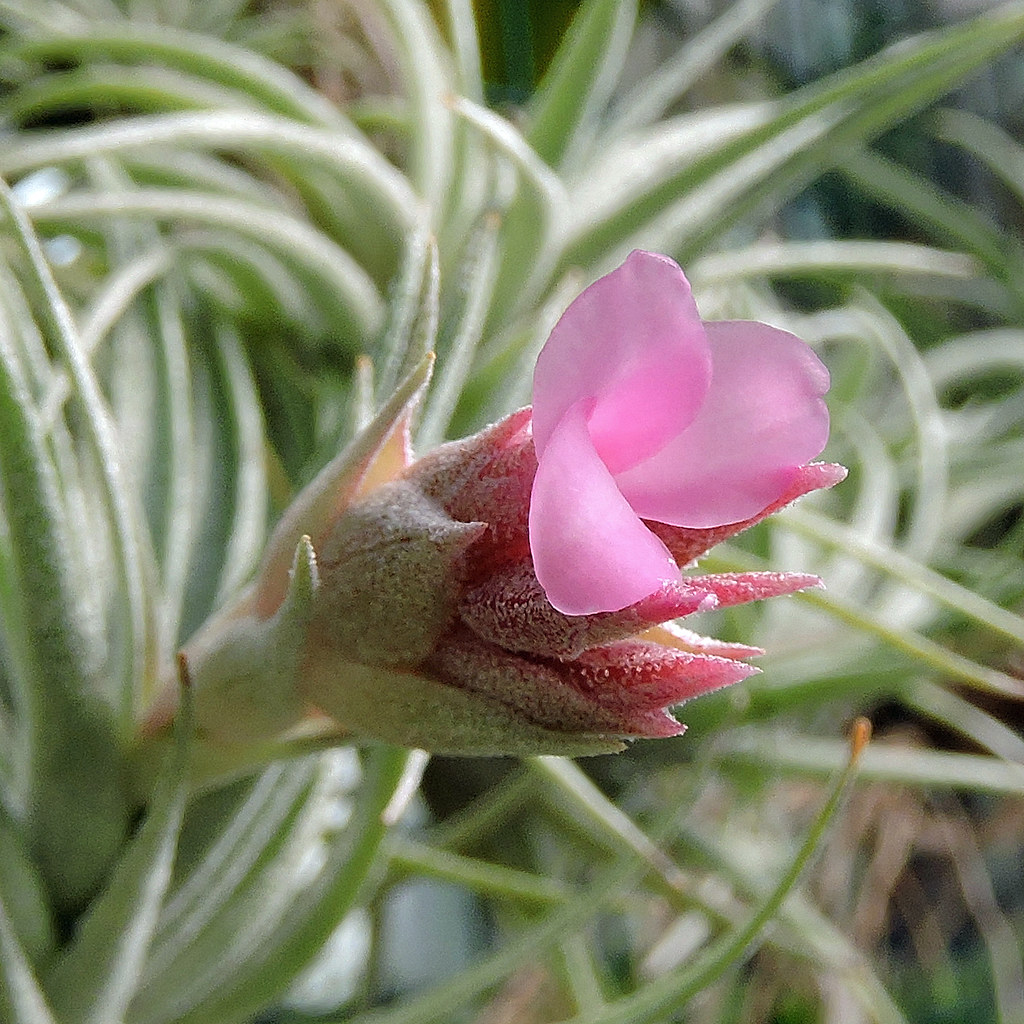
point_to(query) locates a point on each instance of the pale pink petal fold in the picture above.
(762, 419)
(688, 545)
(633, 342)
(591, 552)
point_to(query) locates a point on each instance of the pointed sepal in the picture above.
(244, 668)
(379, 453)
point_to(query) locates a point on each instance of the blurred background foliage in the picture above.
(239, 200)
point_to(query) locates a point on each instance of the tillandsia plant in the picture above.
(287, 263)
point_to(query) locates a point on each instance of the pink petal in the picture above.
(590, 550)
(762, 419)
(633, 341)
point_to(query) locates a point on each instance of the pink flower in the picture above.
(435, 631)
(515, 592)
(644, 412)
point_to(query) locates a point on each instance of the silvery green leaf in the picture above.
(259, 79)
(96, 975)
(580, 80)
(462, 330)
(120, 515)
(803, 135)
(21, 999)
(272, 921)
(426, 75)
(27, 907)
(74, 800)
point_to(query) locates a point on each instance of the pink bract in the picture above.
(642, 411)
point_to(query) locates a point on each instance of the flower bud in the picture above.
(432, 630)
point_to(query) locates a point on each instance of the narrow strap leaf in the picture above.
(100, 437)
(231, 992)
(581, 77)
(463, 329)
(261, 79)
(423, 61)
(21, 999)
(27, 906)
(95, 978)
(670, 993)
(73, 794)
(654, 94)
